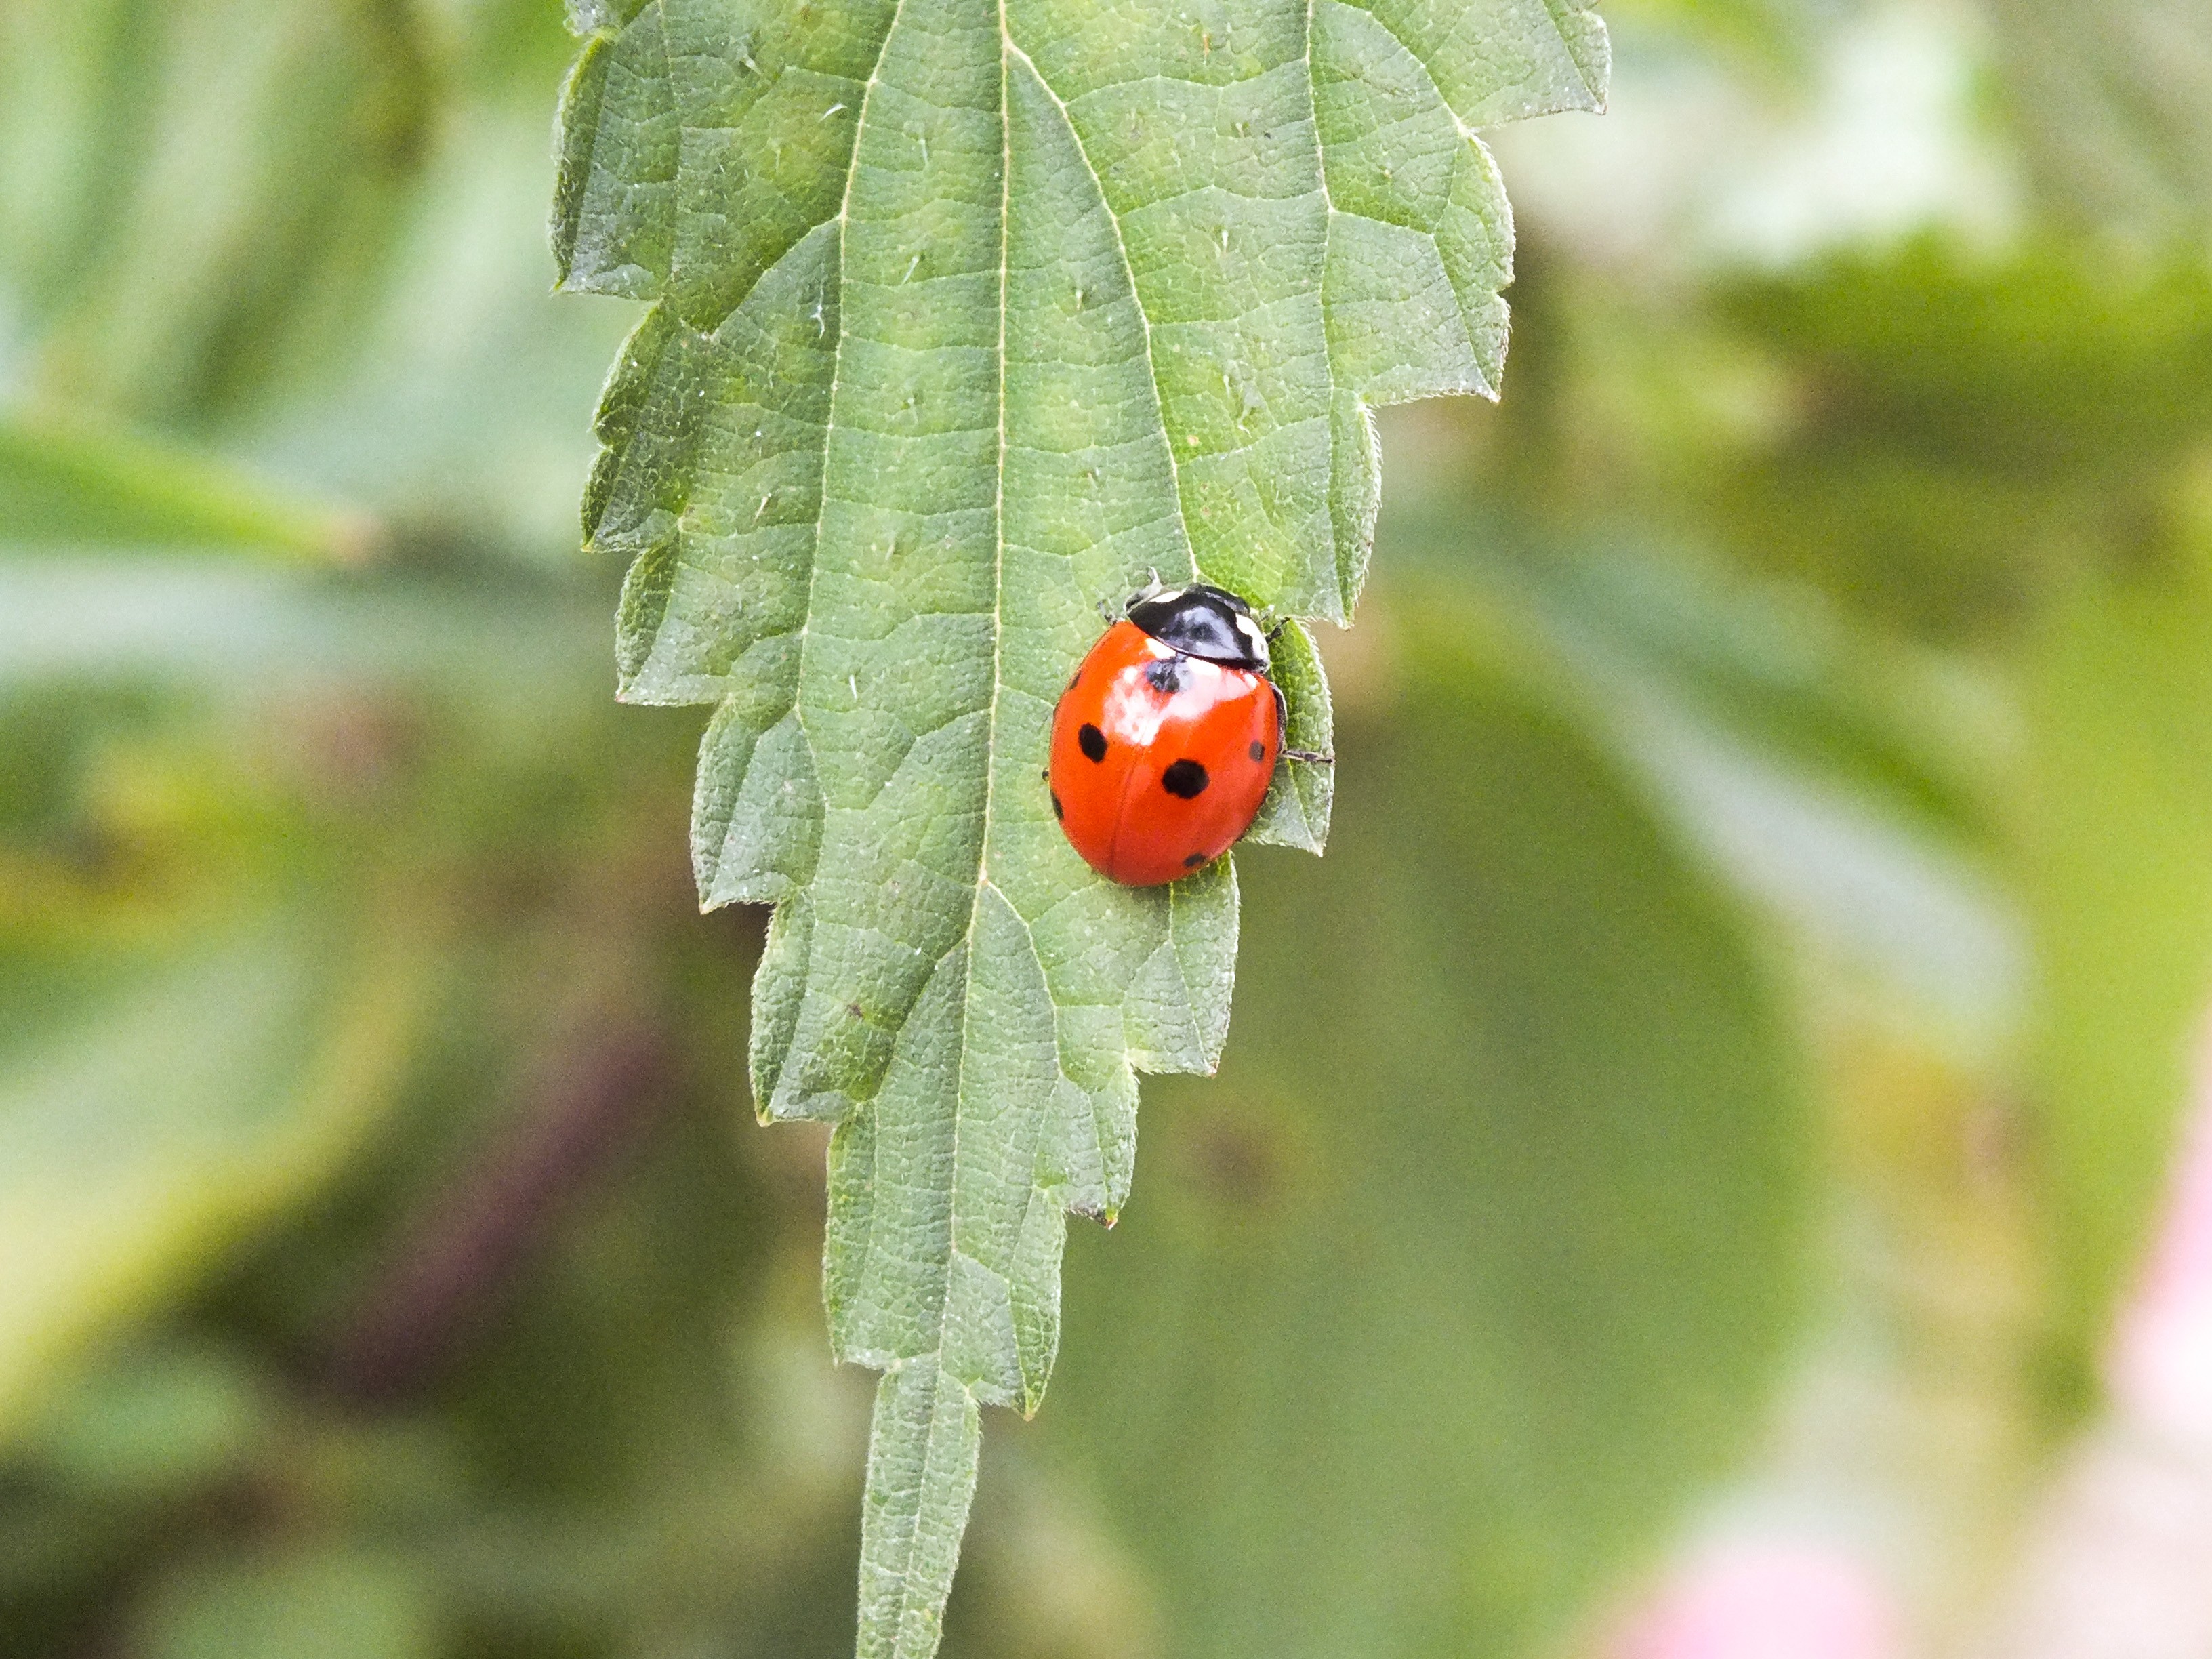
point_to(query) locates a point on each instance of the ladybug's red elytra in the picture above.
(1164, 743)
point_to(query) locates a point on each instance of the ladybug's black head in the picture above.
(1205, 622)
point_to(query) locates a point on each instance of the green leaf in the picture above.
(1785, 672)
(345, 1603)
(238, 629)
(967, 318)
(195, 195)
(147, 1126)
(72, 484)
(2115, 866)
(160, 1418)
(2115, 123)
(2009, 421)
(1494, 1227)
(1853, 786)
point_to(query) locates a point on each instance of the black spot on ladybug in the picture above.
(1058, 811)
(1193, 860)
(1259, 750)
(1186, 777)
(1164, 676)
(1092, 742)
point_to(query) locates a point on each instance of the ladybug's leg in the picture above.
(1311, 757)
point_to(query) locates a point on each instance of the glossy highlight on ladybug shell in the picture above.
(1166, 738)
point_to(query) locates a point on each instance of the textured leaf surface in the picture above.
(969, 316)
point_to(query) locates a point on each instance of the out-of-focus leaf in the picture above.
(233, 173)
(241, 631)
(1781, 671)
(418, 366)
(331, 1603)
(1855, 784)
(2116, 854)
(143, 1132)
(1773, 39)
(156, 1420)
(458, 413)
(76, 94)
(2046, 360)
(1965, 432)
(2114, 106)
(1481, 1253)
(514, 49)
(1841, 780)
(71, 484)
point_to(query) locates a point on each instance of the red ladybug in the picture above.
(1163, 743)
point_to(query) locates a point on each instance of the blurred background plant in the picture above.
(1680, 1214)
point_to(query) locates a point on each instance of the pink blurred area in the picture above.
(2159, 1369)
(2115, 1562)
(1763, 1599)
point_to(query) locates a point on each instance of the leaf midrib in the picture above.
(983, 881)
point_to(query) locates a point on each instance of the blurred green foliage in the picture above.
(388, 1263)
(1483, 1241)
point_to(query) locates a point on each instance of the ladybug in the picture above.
(1164, 742)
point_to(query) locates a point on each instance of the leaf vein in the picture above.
(837, 371)
(1136, 293)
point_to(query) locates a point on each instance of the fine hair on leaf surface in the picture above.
(966, 316)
